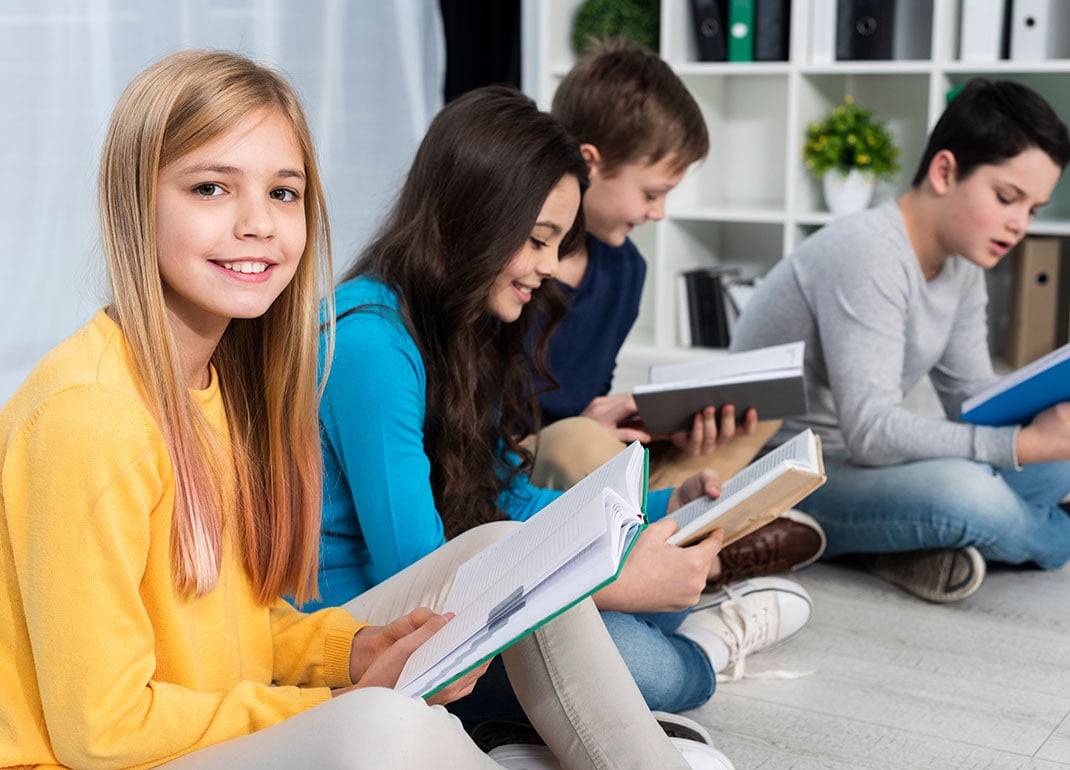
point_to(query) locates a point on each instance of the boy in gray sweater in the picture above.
(896, 293)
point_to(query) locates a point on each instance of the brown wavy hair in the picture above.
(477, 184)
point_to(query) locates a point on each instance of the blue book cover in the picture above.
(1018, 397)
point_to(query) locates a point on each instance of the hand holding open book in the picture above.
(567, 551)
(768, 379)
(757, 494)
(1021, 395)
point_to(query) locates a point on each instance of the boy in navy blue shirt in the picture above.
(639, 129)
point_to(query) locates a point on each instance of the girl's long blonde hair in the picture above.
(267, 366)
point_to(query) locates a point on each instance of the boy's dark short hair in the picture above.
(628, 103)
(991, 121)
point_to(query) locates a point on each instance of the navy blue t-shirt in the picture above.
(583, 351)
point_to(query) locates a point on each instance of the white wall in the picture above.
(370, 73)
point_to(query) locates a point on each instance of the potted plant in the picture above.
(635, 20)
(849, 150)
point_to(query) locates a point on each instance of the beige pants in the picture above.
(571, 448)
(567, 675)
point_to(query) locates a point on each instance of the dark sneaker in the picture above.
(679, 726)
(787, 543)
(935, 574)
(500, 732)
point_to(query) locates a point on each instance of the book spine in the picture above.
(1033, 327)
(709, 20)
(772, 22)
(981, 33)
(740, 30)
(865, 29)
(683, 312)
(694, 307)
(823, 31)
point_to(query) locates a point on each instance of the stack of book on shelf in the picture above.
(1022, 30)
(709, 302)
(768, 379)
(741, 30)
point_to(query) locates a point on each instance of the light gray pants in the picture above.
(567, 675)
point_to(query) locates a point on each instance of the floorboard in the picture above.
(901, 683)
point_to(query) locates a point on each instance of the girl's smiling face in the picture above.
(230, 224)
(537, 259)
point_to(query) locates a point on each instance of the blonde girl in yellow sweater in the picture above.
(160, 490)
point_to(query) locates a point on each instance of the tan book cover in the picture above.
(757, 494)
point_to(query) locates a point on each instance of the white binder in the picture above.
(981, 31)
(1040, 29)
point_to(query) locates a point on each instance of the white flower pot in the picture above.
(847, 194)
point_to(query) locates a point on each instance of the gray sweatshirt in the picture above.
(873, 327)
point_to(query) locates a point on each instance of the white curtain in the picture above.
(369, 72)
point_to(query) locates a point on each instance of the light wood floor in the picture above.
(900, 683)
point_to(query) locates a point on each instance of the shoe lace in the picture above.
(750, 632)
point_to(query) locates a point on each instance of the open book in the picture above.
(565, 552)
(1018, 397)
(768, 379)
(757, 494)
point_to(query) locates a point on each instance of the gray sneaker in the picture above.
(935, 574)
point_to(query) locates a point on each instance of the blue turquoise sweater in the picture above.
(379, 513)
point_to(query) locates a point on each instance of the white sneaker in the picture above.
(701, 756)
(747, 617)
(525, 756)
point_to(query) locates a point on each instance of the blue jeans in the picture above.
(672, 672)
(1009, 516)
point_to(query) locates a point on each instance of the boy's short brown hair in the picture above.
(628, 103)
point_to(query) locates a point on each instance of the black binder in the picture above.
(772, 20)
(865, 29)
(709, 21)
(706, 308)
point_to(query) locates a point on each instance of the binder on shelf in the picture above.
(913, 32)
(772, 22)
(823, 31)
(707, 307)
(865, 29)
(740, 30)
(709, 20)
(1033, 326)
(1039, 29)
(981, 30)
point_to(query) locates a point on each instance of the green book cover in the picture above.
(740, 30)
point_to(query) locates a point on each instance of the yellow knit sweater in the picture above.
(102, 664)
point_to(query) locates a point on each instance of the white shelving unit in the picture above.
(752, 201)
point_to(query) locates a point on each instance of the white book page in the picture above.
(489, 584)
(581, 574)
(799, 452)
(763, 363)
